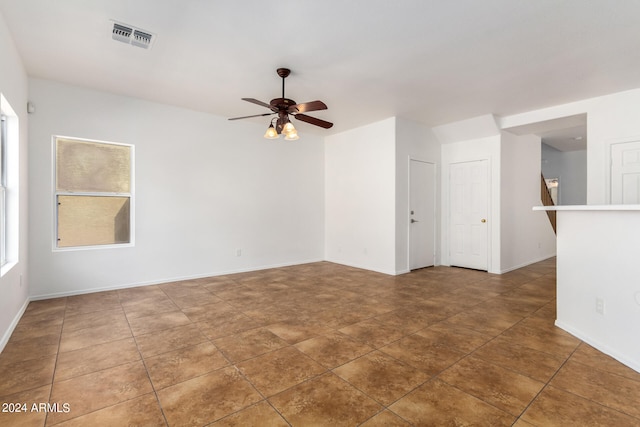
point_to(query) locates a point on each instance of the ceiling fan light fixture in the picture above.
(271, 132)
(292, 136)
(284, 107)
(288, 129)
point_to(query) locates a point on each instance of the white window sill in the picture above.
(8, 266)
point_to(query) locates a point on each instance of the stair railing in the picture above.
(547, 200)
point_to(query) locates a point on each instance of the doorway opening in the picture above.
(564, 155)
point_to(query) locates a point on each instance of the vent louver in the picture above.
(121, 33)
(132, 35)
(141, 39)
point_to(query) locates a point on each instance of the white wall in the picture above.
(610, 119)
(601, 263)
(574, 180)
(570, 167)
(413, 142)
(525, 236)
(204, 188)
(597, 255)
(360, 197)
(487, 148)
(14, 283)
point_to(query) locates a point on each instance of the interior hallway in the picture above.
(315, 344)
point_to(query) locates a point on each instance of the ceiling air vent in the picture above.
(141, 39)
(132, 35)
(121, 33)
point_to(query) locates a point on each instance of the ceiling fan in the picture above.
(285, 107)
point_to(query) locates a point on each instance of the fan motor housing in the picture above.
(282, 103)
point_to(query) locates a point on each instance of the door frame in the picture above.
(435, 209)
(608, 182)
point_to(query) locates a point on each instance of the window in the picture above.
(3, 190)
(9, 184)
(93, 193)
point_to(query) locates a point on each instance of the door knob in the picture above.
(413, 220)
(483, 220)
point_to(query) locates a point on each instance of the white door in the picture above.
(625, 173)
(469, 201)
(422, 205)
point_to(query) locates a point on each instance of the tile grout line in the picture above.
(471, 353)
(121, 364)
(55, 365)
(230, 364)
(144, 364)
(540, 313)
(547, 384)
(584, 397)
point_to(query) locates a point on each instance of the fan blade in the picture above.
(255, 101)
(255, 115)
(313, 121)
(307, 106)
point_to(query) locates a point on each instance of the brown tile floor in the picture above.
(316, 344)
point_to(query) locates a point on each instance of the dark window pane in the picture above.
(84, 166)
(93, 220)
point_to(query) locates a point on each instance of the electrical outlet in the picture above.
(600, 305)
(238, 252)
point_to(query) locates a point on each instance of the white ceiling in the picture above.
(564, 134)
(432, 61)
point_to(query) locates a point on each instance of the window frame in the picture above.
(56, 193)
(11, 157)
(3, 190)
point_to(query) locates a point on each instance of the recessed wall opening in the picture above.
(564, 156)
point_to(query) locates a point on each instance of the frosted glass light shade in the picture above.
(288, 128)
(292, 136)
(271, 133)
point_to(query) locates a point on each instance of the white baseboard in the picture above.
(368, 268)
(7, 334)
(533, 261)
(12, 326)
(165, 280)
(234, 271)
(633, 364)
